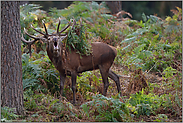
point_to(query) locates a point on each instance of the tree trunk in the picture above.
(114, 6)
(11, 62)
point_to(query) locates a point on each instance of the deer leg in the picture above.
(73, 78)
(115, 77)
(62, 81)
(104, 74)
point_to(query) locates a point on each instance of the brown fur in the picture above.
(102, 58)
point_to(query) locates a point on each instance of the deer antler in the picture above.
(58, 25)
(45, 35)
(32, 41)
(29, 43)
(59, 33)
(45, 28)
(36, 38)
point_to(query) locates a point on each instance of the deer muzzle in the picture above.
(56, 48)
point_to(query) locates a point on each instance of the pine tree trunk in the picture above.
(11, 63)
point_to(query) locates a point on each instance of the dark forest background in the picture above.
(136, 8)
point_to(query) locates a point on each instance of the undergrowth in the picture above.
(154, 45)
(106, 109)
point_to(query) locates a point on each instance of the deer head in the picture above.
(53, 41)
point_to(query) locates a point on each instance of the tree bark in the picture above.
(11, 62)
(115, 7)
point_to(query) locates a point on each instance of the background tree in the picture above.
(11, 63)
(115, 7)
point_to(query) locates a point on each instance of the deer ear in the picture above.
(63, 37)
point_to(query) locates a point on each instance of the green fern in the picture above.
(108, 109)
(7, 114)
(34, 70)
(78, 41)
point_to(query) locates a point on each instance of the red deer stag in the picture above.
(101, 58)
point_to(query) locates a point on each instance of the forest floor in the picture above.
(40, 115)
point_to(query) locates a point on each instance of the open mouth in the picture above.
(55, 43)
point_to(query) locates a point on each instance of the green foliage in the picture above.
(30, 73)
(161, 118)
(107, 109)
(83, 84)
(169, 71)
(30, 104)
(7, 114)
(39, 73)
(151, 104)
(90, 83)
(144, 104)
(94, 16)
(31, 14)
(77, 40)
(152, 46)
(79, 9)
(28, 14)
(50, 105)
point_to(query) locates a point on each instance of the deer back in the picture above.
(73, 61)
